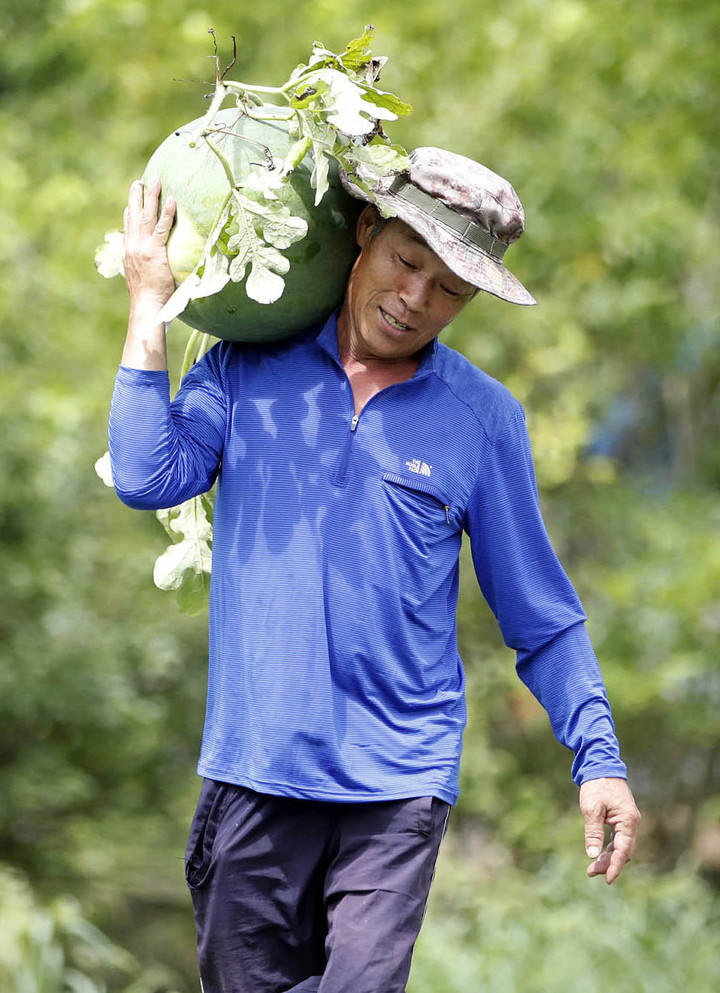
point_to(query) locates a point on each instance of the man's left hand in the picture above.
(608, 801)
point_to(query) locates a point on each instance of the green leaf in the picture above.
(319, 179)
(185, 565)
(109, 256)
(283, 229)
(197, 283)
(263, 285)
(326, 143)
(379, 160)
(358, 52)
(270, 226)
(297, 153)
(209, 276)
(180, 298)
(262, 183)
(239, 264)
(347, 110)
(186, 520)
(214, 274)
(193, 595)
(104, 470)
(308, 92)
(269, 257)
(321, 57)
(381, 98)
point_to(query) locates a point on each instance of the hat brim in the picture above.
(466, 260)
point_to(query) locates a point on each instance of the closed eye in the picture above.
(406, 263)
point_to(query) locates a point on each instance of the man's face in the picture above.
(400, 293)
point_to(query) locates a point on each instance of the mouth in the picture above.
(393, 321)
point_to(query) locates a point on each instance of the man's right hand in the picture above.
(148, 277)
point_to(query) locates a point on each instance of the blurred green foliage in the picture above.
(54, 949)
(509, 932)
(604, 116)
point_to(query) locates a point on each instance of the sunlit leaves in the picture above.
(185, 565)
(109, 256)
(374, 161)
(337, 114)
(104, 469)
(337, 109)
(344, 105)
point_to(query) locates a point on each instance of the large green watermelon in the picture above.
(319, 264)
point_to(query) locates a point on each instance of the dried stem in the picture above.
(234, 58)
(218, 77)
(253, 141)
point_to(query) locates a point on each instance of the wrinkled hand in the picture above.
(608, 801)
(147, 273)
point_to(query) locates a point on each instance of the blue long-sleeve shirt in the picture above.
(334, 670)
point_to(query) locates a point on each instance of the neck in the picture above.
(353, 352)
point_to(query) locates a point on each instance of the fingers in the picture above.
(601, 865)
(151, 195)
(594, 817)
(147, 271)
(140, 217)
(613, 860)
(623, 845)
(165, 221)
(609, 801)
(135, 197)
(143, 204)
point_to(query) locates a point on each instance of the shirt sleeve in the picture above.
(537, 608)
(161, 452)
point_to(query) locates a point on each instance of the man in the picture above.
(350, 461)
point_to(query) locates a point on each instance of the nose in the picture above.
(415, 291)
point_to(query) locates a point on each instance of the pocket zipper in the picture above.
(418, 486)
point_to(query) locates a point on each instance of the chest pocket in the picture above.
(422, 506)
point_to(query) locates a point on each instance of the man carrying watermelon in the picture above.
(349, 460)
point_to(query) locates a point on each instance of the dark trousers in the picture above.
(309, 895)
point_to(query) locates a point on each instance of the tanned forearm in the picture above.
(145, 346)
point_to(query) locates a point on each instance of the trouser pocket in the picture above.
(209, 811)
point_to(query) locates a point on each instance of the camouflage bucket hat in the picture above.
(467, 214)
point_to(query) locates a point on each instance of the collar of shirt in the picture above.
(327, 339)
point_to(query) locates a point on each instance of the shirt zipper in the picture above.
(341, 475)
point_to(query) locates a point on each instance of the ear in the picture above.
(365, 224)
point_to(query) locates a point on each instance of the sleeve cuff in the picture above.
(615, 771)
(138, 377)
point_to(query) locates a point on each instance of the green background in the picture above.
(605, 118)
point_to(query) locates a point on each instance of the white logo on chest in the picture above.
(421, 468)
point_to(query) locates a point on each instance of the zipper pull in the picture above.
(354, 422)
(447, 514)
